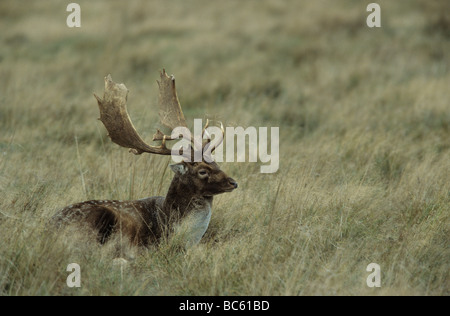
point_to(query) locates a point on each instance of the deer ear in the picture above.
(179, 168)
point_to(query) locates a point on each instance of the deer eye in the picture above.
(203, 173)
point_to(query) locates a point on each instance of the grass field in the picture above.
(364, 119)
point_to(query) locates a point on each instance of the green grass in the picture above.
(364, 153)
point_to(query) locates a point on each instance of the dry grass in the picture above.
(364, 119)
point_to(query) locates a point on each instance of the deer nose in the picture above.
(233, 183)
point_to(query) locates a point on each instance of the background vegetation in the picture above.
(364, 156)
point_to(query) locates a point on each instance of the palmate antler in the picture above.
(114, 115)
(170, 112)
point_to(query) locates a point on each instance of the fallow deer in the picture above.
(189, 199)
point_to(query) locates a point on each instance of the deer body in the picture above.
(187, 207)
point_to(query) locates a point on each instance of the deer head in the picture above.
(199, 178)
(206, 178)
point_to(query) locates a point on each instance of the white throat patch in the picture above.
(192, 228)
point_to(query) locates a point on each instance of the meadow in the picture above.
(364, 120)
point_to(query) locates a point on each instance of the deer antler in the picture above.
(217, 141)
(114, 115)
(170, 112)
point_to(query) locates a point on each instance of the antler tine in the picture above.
(204, 130)
(160, 136)
(220, 139)
(114, 115)
(217, 141)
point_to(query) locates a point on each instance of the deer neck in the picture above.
(188, 211)
(182, 199)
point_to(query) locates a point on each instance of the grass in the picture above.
(364, 153)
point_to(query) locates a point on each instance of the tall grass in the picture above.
(364, 154)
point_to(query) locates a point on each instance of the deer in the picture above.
(188, 202)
